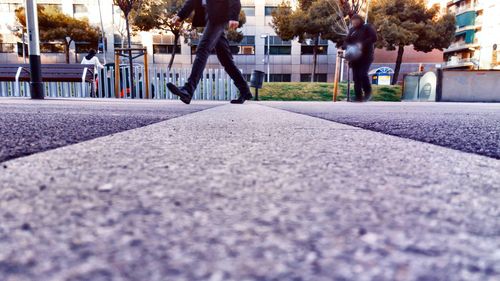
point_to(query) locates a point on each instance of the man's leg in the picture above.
(365, 80)
(208, 41)
(226, 59)
(357, 83)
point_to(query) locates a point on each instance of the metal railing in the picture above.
(52, 89)
(461, 61)
(214, 85)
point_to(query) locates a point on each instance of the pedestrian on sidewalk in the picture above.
(215, 16)
(91, 59)
(360, 43)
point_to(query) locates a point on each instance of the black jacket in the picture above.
(218, 11)
(367, 36)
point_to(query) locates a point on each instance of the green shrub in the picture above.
(296, 91)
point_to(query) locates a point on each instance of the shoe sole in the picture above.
(246, 98)
(184, 98)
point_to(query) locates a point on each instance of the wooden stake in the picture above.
(337, 76)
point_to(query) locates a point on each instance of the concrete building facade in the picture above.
(289, 60)
(477, 36)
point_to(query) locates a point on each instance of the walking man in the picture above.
(214, 15)
(363, 36)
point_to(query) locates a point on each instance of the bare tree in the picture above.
(128, 7)
(342, 11)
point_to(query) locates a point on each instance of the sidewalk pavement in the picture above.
(250, 193)
(32, 126)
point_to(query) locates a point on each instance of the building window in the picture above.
(278, 46)
(306, 49)
(52, 47)
(320, 77)
(268, 10)
(249, 11)
(121, 42)
(83, 47)
(79, 9)
(164, 44)
(51, 7)
(245, 47)
(166, 49)
(10, 7)
(280, 77)
(20, 49)
(7, 48)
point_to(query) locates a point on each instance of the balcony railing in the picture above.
(456, 62)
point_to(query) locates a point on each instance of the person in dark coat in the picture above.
(215, 16)
(364, 36)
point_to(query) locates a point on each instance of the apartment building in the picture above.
(477, 35)
(288, 60)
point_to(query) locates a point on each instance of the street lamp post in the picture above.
(20, 28)
(268, 57)
(34, 50)
(103, 35)
(24, 45)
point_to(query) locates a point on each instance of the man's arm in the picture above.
(186, 10)
(348, 40)
(234, 10)
(371, 36)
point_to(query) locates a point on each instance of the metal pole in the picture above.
(102, 33)
(349, 83)
(24, 46)
(146, 72)
(268, 58)
(34, 50)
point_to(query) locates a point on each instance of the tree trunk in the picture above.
(67, 50)
(399, 61)
(130, 61)
(172, 57)
(315, 58)
(127, 26)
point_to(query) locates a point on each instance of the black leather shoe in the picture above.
(183, 94)
(368, 97)
(358, 99)
(242, 99)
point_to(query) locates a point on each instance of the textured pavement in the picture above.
(250, 193)
(28, 126)
(468, 127)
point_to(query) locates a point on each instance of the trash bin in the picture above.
(257, 81)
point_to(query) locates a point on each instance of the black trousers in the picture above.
(214, 37)
(360, 77)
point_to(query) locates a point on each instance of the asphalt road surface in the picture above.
(250, 193)
(468, 127)
(28, 127)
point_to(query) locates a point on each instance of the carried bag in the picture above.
(353, 52)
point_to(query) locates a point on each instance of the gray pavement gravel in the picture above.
(469, 127)
(250, 193)
(28, 127)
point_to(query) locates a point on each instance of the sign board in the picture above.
(384, 80)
